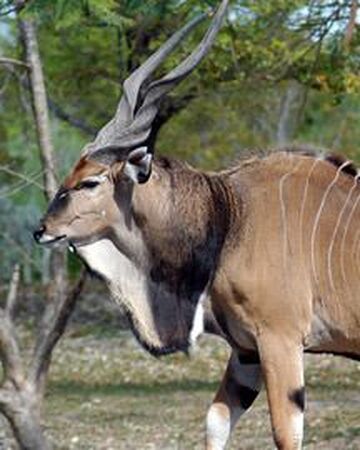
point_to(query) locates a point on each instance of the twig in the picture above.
(29, 179)
(5, 84)
(23, 252)
(9, 351)
(12, 294)
(53, 326)
(74, 121)
(13, 62)
(14, 6)
(5, 397)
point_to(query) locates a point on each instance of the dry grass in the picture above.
(106, 393)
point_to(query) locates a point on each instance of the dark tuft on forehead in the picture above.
(83, 169)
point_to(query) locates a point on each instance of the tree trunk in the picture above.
(21, 393)
(288, 114)
(58, 258)
(350, 28)
(23, 415)
(28, 432)
(22, 389)
(28, 32)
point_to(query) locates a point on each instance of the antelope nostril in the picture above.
(38, 233)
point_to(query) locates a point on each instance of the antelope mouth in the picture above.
(53, 241)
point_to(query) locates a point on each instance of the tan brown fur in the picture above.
(278, 238)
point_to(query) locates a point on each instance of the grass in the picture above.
(106, 393)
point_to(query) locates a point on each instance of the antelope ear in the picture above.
(138, 165)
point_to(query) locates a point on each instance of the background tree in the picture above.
(280, 71)
(23, 383)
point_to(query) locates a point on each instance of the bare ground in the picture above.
(106, 393)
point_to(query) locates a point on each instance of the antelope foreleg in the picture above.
(239, 388)
(282, 368)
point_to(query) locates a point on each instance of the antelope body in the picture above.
(271, 246)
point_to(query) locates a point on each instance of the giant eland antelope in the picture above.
(274, 243)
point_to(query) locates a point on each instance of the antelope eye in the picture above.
(88, 184)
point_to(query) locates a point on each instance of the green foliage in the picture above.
(274, 63)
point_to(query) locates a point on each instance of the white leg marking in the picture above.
(318, 215)
(218, 428)
(198, 323)
(332, 242)
(223, 414)
(298, 428)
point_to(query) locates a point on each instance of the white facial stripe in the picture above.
(95, 179)
(63, 195)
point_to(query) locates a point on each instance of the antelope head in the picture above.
(94, 210)
(83, 208)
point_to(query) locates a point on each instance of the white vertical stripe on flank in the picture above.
(318, 215)
(348, 223)
(283, 210)
(352, 212)
(332, 242)
(303, 203)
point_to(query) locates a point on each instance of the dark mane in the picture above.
(338, 160)
(169, 163)
(335, 159)
(249, 156)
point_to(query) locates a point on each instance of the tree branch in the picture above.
(9, 348)
(53, 326)
(12, 294)
(74, 121)
(26, 178)
(15, 6)
(22, 251)
(13, 62)
(9, 352)
(5, 398)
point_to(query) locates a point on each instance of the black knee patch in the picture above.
(298, 398)
(249, 358)
(244, 395)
